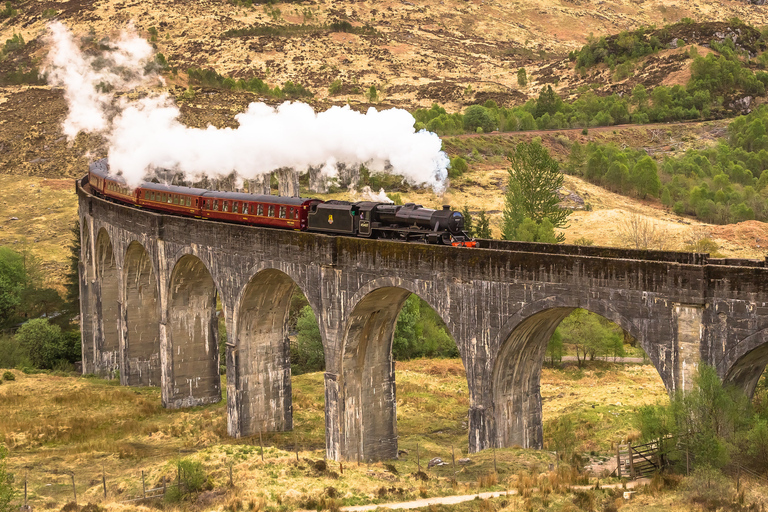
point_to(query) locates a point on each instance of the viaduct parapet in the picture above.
(149, 286)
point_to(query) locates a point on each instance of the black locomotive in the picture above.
(408, 222)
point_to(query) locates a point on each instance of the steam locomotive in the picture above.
(367, 219)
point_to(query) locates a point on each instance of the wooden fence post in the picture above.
(453, 460)
(418, 457)
(261, 445)
(74, 490)
(618, 460)
(631, 462)
(143, 485)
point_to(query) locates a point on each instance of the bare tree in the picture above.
(639, 232)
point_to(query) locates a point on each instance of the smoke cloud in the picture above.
(146, 134)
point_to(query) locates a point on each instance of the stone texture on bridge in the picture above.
(150, 284)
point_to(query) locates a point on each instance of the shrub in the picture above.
(458, 167)
(335, 87)
(708, 487)
(192, 474)
(45, 343)
(9, 11)
(8, 375)
(522, 78)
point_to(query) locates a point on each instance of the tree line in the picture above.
(721, 184)
(38, 324)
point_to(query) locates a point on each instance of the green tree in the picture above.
(477, 116)
(13, 280)
(534, 179)
(576, 159)
(6, 483)
(407, 330)
(640, 97)
(483, 229)
(666, 197)
(522, 77)
(591, 335)
(468, 221)
(548, 103)
(555, 348)
(309, 355)
(44, 342)
(645, 177)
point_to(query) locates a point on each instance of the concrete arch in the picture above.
(141, 354)
(396, 282)
(367, 394)
(262, 363)
(192, 332)
(750, 357)
(516, 375)
(107, 345)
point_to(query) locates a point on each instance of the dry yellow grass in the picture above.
(56, 425)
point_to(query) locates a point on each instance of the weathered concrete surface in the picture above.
(500, 302)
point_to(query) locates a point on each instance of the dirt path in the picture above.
(453, 500)
(610, 128)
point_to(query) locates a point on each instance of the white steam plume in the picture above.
(146, 134)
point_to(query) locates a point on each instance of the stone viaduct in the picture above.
(150, 284)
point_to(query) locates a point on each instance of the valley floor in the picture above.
(58, 425)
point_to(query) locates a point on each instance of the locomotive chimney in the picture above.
(446, 207)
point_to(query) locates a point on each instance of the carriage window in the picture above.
(170, 198)
(175, 199)
(189, 201)
(235, 207)
(271, 211)
(225, 208)
(208, 204)
(260, 210)
(245, 208)
(282, 212)
(216, 204)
